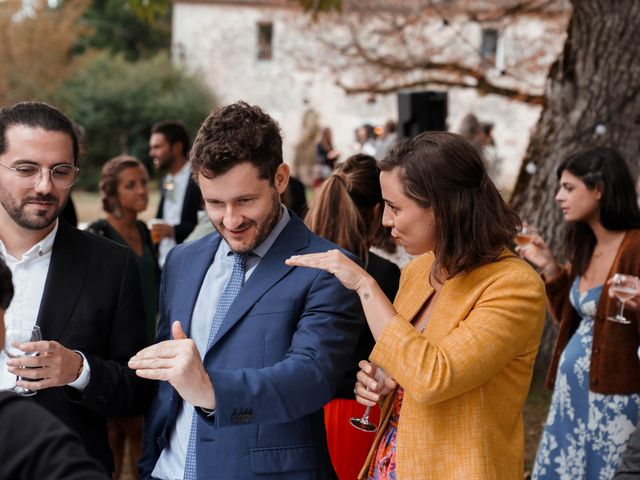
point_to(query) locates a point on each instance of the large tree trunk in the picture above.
(592, 98)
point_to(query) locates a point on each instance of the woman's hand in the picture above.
(350, 274)
(372, 384)
(539, 254)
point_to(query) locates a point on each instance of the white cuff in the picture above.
(82, 381)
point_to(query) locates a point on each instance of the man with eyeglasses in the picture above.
(83, 291)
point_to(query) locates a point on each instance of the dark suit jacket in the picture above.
(189, 216)
(276, 360)
(92, 302)
(35, 444)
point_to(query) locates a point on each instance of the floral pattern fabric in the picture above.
(586, 432)
(383, 466)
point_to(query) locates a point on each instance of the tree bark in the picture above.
(592, 97)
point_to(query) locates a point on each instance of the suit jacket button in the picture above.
(594, 381)
(595, 351)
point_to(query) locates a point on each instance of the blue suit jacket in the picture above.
(277, 358)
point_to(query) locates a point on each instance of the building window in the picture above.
(489, 45)
(265, 41)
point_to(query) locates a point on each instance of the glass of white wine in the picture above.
(525, 235)
(624, 287)
(14, 336)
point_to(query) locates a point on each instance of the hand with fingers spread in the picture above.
(54, 366)
(178, 362)
(372, 384)
(378, 309)
(350, 274)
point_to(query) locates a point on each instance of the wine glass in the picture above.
(14, 336)
(525, 235)
(624, 287)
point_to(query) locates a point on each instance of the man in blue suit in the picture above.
(249, 348)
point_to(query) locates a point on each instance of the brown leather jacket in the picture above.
(614, 368)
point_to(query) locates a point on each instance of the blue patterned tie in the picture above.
(228, 296)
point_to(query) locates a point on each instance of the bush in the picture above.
(117, 102)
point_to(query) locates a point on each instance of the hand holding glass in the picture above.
(624, 287)
(525, 235)
(363, 423)
(14, 336)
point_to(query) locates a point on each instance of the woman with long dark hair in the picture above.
(454, 353)
(595, 372)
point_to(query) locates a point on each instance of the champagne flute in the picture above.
(14, 336)
(624, 287)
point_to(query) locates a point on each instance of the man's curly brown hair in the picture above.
(235, 134)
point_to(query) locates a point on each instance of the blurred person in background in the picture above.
(366, 139)
(454, 354)
(387, 139)
(594, 371)
(326, 157)
(353, 190)
(180, 197)
(125, 194)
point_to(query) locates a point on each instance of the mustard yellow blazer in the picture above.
(466, 376)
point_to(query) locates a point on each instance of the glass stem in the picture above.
(622, 302)
(365, 415)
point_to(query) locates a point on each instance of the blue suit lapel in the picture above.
(191, 273)
(269, 271)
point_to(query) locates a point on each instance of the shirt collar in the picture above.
(41, 248)
(262, 249)
(185, 171)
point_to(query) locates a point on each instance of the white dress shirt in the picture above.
(29, 276)
(170, 464)
(172, 206)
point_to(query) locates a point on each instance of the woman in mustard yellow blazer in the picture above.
(454, 354)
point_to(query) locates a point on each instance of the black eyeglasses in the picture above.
(62, 176)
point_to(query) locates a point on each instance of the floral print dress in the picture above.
(586, 432)
(383, 466)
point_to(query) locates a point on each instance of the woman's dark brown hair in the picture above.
(444, 171)
(347, 209)
(109, 178)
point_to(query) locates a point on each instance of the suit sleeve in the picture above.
(306, 378)
(114, 389)
(505, 322)
(189, 216)
(154, 421)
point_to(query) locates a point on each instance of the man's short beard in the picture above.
(39, 222)
(263, 231)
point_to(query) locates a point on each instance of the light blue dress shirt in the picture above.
(170, 464)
